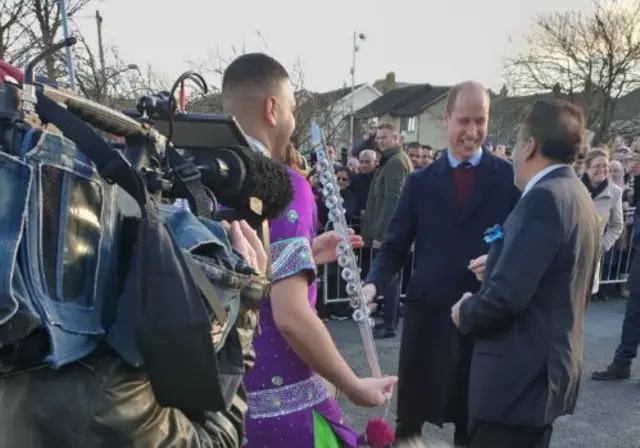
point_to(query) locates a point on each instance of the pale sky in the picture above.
(422, 41)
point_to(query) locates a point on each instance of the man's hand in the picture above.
(477, 266)
(369, 294)
(455, 310)
(324, 246)
(376, 244)
(245, 240)
(371, 392)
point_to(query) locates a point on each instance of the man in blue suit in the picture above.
(527, 319)
(445, 209)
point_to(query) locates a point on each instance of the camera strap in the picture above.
(111, 164)
(188, 183)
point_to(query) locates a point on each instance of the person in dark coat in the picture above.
(527, 320)
(361, 182)
(445, 209)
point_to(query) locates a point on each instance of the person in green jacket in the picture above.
(386, 186)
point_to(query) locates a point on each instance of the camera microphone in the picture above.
(245, 181)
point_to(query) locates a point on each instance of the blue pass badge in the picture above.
(493, 234)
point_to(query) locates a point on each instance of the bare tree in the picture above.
(116, 82)
(591, 59)
(43, 24)
(12, 14)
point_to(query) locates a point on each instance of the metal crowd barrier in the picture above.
(332, 286)
(614, 266)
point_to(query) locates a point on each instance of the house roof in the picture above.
(628, 106)
(418, 103)
(506, 112)
(334, 95)
(407, 101)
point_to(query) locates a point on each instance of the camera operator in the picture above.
(101, 401)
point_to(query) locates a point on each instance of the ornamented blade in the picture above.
(346, 257)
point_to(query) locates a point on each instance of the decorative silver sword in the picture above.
(346, 257)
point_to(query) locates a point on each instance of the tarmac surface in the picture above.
(608, 414)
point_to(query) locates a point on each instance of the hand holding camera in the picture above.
(246, 241)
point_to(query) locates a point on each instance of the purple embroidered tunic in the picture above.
(283, 391)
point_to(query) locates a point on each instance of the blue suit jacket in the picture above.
(527, 319)
(446, 235)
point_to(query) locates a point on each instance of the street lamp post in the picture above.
(356, 37)
(64, 22)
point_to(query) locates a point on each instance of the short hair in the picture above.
(594, 154)
(371, 152)
(387, 126)
(253, 70)
(415, 145)
(616, 163)
(344, 169)
(454, 91)
(427, 147)
(557, 126)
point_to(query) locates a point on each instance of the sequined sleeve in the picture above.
(291, 256)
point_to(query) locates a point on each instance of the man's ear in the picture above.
(269, 112)
(446, 117)
(531, 148)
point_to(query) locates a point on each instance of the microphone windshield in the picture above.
(238, 176)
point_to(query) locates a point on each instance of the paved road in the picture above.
(608, 414)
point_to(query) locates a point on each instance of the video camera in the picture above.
(252, 185)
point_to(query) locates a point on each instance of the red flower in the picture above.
(379, 433)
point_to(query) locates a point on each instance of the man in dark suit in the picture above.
(445, 209)
(527, 319)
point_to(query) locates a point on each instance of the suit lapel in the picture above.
(481, 185)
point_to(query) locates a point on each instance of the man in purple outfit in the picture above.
(289, 404)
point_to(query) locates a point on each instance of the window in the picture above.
(408, 124)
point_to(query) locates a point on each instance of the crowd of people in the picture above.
(606, 171)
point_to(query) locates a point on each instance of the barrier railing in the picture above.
(614, 267)
(615, 264)
(332, 286)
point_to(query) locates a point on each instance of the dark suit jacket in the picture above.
(360, 186)
(529, 313)
(446, 236)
